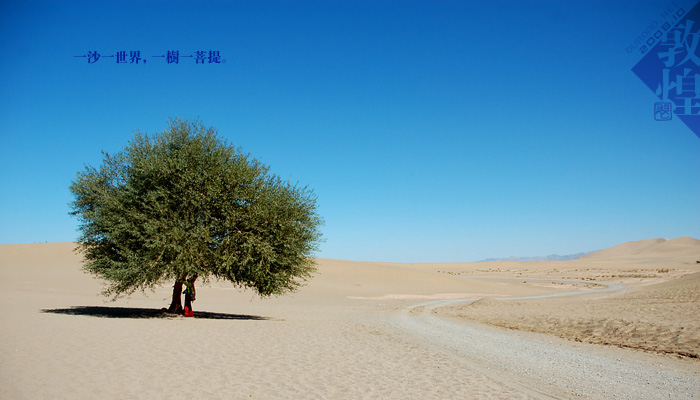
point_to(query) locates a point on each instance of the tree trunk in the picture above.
(176, 304)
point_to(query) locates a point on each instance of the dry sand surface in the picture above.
(363, 330)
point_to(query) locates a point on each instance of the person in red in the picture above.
(190, 296)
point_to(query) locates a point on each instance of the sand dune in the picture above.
(682, 247)
(60, 339)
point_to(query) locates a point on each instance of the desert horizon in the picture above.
(365, 330)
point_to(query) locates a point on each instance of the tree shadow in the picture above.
(131, 312)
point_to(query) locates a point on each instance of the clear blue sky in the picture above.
(430, 130)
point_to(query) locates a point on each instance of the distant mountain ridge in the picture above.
(551, 257)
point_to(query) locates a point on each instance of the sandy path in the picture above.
(551, 366)
(605, 287)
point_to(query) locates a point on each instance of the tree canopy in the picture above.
(183, 204)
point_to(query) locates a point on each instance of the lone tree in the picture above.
(183, 204)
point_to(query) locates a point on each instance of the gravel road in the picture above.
(550, 367)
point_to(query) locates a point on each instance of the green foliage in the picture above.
(183, 204)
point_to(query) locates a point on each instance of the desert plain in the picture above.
(619, 323)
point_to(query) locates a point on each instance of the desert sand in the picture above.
(628, 326)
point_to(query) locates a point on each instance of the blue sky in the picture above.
(429, 130)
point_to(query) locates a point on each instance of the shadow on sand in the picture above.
(130, 312)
